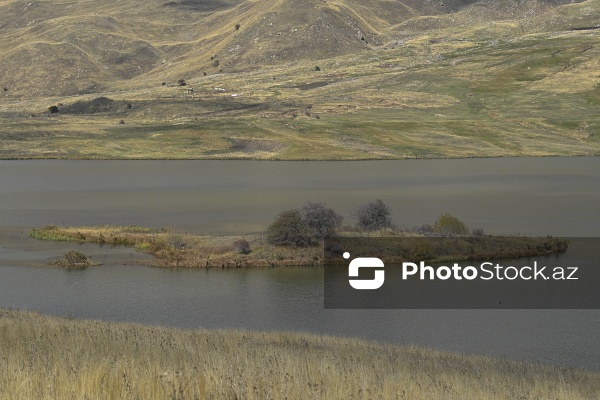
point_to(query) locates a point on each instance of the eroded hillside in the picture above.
(292, 79)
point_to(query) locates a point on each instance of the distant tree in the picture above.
(289, 229)
(447, 224)
(181, 82)
(237, 27)
(321, 220)
(53, 109)
(373, 216)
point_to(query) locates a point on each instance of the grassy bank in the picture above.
(172, 249)
(51, 358)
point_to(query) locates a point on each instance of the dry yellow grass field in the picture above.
(56, 358)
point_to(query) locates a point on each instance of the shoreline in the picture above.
(299, 159)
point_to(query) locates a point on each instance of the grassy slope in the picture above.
(48, 358)
(449, 85)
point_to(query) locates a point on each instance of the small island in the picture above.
(296, 238)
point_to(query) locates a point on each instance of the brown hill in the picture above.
(394, 68)
(67, 48)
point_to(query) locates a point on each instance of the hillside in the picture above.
(453, 78)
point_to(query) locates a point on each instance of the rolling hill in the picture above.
(299, 79)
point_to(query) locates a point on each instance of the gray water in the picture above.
(557, 196)
(539, 196)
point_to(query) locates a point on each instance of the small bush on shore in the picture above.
(449, 225)
(241, 246)
(289, 229)
(175, 242)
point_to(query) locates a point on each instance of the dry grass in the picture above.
(56, 358)
(451, 85)
(173, 249)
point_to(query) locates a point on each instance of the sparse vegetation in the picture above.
(116, 235)
(181, 82)
(171, 249)
(53, 109)
(58, 358)
(451, 85)
(237, 27)
(176, 242)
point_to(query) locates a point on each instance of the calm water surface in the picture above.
(557, 196)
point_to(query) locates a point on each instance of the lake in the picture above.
(538, 196)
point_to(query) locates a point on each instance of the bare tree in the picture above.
(320, 219)
(373, 216)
